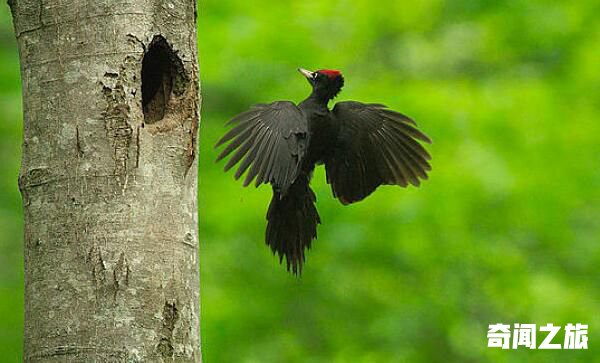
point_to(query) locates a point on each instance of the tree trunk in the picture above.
(108, 179)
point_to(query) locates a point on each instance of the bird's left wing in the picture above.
(270, 140)
(375, 146)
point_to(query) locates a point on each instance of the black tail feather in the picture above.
(292, 224)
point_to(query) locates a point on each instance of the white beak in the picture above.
(307, 74)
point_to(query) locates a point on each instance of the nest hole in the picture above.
(163, 77)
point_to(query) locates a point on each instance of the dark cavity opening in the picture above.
(162, 76)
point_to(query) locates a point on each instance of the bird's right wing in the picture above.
(271, 140)
(375, 146)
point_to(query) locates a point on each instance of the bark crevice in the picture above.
(170, 316)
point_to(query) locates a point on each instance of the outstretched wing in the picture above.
(270, 140)
(375, 146)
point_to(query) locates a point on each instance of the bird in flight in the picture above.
(363, 146)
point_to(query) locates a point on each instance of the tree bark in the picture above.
(109, 179)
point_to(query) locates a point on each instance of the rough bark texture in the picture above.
(109, 180)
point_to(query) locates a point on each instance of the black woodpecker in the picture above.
(363, 145)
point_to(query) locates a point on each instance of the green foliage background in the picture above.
(507, 229)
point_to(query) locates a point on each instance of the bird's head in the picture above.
(326, 83)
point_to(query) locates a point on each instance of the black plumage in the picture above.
(362, 146)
